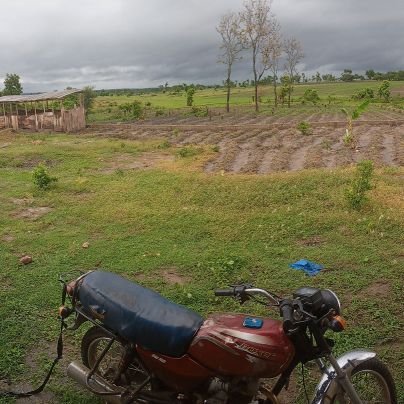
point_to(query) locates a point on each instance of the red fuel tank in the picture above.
(228, 347)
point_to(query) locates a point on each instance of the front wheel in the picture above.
(373, 382)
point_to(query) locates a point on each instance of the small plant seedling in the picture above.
(356, 193)
(349, 138)
(304, 128)
(41, 177)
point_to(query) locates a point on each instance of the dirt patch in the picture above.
(311, 241)
(169, 275)
(141, 162)
(33, 213)
(8, 238)
(30, 163)
(22, 201)
(378, 289)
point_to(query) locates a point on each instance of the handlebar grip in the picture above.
(286, 309)
(224, 292)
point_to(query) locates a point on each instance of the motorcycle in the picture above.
(143, 348)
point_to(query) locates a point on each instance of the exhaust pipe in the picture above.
(97, 384)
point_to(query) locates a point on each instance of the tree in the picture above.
(271, 54)
(12, 85)
(294, 54)
(318, 77)
(370, 74)
(190, 96)
(255, 33)
(88, 98)
(384, 90)
(347, 75)
(229, 30)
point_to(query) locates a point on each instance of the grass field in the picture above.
(183, 232)
(106, 107)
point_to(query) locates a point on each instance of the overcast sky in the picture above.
(52, 44)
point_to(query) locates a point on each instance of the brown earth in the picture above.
(127, 161)
(259, 145)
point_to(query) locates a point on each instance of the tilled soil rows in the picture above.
(259, 146)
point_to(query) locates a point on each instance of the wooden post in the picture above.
(36, 118)
(26, 110)
(4, 114)
(54, 117)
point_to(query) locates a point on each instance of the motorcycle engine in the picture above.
(239, 390)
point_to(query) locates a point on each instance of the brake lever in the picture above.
(239, 293)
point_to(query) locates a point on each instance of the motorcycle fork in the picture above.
(343, 380)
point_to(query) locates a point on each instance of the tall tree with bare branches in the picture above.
(256, 30)
(272, 53)
(293, 55)
(229, 30)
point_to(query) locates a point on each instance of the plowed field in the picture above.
(265, 144)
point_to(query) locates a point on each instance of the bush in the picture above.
(356, 193)
(366, 93)
(41, 177)
(188, 152)
(311, 95)
(132, 110)
(200, 111)
(304, 127)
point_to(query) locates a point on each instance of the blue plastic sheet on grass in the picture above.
(308, 267)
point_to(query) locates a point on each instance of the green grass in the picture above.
(106, 107)
(213, 229)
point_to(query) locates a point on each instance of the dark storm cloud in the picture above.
(122, 43)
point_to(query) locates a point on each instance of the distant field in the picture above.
(106, 107)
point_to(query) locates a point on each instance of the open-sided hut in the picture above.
(45, 111)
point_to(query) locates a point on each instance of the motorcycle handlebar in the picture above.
(244, 291)
(286, 309)
(224, 292)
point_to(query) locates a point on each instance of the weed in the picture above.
(188, 151)
(356, 193)
(200, 111)
(165, 145)
(216, 148)
(304, 128)
(41, 177)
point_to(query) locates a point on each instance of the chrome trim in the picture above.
(326, 389)
(339, 302)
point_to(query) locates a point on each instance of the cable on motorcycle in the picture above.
(59, 355)
(304, 384)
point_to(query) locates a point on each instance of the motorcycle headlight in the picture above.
(318, 301)
(331, 300)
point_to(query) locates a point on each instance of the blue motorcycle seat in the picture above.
(138, 314)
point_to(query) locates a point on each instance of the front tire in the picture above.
(373, 382)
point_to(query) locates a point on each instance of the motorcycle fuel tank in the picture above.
(238, 345)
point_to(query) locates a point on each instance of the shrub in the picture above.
(190, 96)
(188, 152)
(365, 93)
(132, 109)
(304, 128)
(41, 177)
(200, 111)
(311, 95)
(356, 193)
